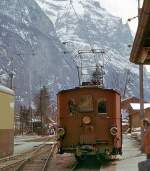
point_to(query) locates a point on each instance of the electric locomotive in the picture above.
(89, 121)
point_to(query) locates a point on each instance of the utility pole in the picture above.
(78, 70)
(41, 111)
(126, 82)
(11, 74)
(30, 100)
(141, 80)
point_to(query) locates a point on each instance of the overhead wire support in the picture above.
(98, 72)
(141, 83)
(80, 67)
(94, 51)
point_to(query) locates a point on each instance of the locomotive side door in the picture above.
(102, 121)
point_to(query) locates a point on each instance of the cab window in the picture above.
(72, 106)
(102, 106)
(85, 103)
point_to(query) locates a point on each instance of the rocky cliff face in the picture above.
(31, 36)
(85, 24)
(29, 45)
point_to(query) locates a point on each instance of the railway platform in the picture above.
(130, 158)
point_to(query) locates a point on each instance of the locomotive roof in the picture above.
(89, 87)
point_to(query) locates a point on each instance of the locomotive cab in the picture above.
(89, 121)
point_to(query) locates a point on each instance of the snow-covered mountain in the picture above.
(29, 44)
(84, 21)
(85, 24)
(31, 32)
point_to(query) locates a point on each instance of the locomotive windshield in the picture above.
(85, 103)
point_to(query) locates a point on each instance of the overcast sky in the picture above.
(124, 9)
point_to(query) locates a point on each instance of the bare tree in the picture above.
(25, 119)
(43, 109)
(120, 80)
(42, 102)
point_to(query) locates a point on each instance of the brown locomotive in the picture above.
(89, 121)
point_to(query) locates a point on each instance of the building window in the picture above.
(102, 106)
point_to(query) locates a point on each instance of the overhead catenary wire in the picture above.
(89, 41)
(86, 28)
(67, 9)
(79, 18)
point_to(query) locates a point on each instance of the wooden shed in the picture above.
(134, 115)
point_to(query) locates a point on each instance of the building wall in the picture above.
(147, 113)
(6, 123)
(125, 104)
(136, 120)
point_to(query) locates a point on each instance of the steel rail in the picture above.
(49, 157)
(11, 158)
(34, 156)
(9, 162)
(15, 157)
(75, 166)
(4, 167)
(25, 158)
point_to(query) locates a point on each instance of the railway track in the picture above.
(36, 159)
(75, 166)
(22, 155)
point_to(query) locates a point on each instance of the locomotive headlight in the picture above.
(61, 132)
(86, 120)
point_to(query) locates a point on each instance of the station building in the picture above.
(140, 53)
(6, 121)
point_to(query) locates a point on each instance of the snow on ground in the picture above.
(136, 133)
(25, 143)
(21, 138)
(130, 158)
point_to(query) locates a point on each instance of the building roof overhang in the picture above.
(140, 53)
